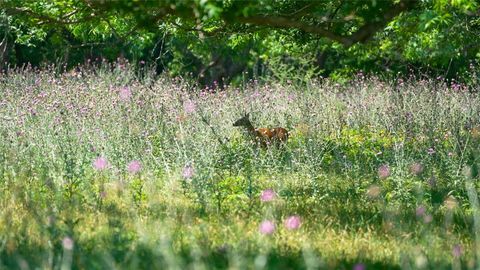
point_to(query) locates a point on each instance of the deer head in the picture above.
(243, 122)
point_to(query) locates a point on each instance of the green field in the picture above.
(107, 169)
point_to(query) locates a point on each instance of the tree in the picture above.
(226, 37)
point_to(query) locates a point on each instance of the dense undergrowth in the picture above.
(101, 168)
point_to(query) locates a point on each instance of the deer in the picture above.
(264, 136)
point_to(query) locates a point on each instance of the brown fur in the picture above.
(264, 136)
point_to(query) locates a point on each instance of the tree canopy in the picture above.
(217, 40)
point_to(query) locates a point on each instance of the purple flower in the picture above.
(359, 266)
(125, 93)
(293, 222)
(420, 211)
(457, 251)
(134, 166)
(100, 163)
(267, 227)
(431, 151)
(189, 106)
(67, 243)
(383, 171)
(268, 195)
(188, 172)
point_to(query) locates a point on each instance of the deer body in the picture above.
(264, 136)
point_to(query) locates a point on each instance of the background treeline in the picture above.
(224, 41)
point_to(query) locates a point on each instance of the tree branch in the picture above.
(45, 18)
(363, 34)
(284, 22)
(367, 31)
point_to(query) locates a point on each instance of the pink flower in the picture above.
(383, 171)
(293, 222)
(100, 163)
(67, 243)
(134, 166)
(268, 195)
(457, 251)
(267, 227)
(359, 266)
(188, 172)
(189, 106)
(125, 93)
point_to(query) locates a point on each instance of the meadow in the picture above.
(107, 168)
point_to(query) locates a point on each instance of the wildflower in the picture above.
(134, 166)
(268, 195)
(420, 211)
(431, 151)
(383, 171)
(188, 172)
(67, 243)
(125, 93)
(416, 168)
(267, 227)
(373, 191)
(457, 251)
(100, 163)
(189, 107)
(359, 266)
(293, 222)
(427, 218)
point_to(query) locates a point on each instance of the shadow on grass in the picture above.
(145, 257)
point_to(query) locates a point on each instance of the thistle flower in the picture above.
(293, 222)
(457, 251)
(416, 168)
(268, 195)
(359, 266)
(420, 211)
(383, 171)
(373, 191)
(67, 243)
(189, 107)
(100, 163)
(134, 166)
(427, 218)
(266, 227)
(188, 172)
(125, 93)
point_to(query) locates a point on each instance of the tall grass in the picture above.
(380, 174)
